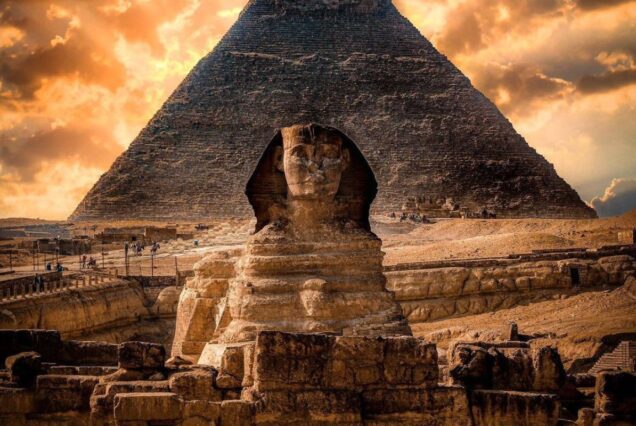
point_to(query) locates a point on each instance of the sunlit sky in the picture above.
(80, 79)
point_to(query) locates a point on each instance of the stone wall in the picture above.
(110, 309)
(279, 379)
(450, 289)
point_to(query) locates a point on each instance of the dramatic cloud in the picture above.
(80, 79)
(610, 80)
(619, 197)
(517, 88)
(599, 4)
(87, 146)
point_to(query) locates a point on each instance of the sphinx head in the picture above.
(314, 166)
(313, 159)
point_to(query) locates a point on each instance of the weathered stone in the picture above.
(16, 401)
(124, 375)
(503, 408)
(45, 342)
(201, 413)
(76, 352)
(239, 413)
(585, 417)
(24, 367)
(60, 393)
(616, 395)
(287, 361)
(309, 407)
(177, 361)
(101, 401)
(442, 406)
(195, 385)
(140, 355)
(549, 374)
(410, 361)
(496, 366)
(153, 406)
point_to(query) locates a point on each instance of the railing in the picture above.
(21, 291)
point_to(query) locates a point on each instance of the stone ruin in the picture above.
(357, 65)
(309, 379)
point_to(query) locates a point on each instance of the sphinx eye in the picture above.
(299, 152)
(330, 151)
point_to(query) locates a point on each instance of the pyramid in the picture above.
(356, 65)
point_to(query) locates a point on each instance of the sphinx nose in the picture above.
(313, 166)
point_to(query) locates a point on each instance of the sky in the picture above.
(80, 78)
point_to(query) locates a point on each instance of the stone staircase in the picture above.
(621, 358)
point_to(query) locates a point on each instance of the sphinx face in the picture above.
(313, 164)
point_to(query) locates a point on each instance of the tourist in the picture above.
(48, 266)
(83, 265)
(59, 267)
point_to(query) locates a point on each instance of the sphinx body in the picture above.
(313, 266)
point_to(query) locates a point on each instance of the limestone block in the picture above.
(138, 355)
(308, 407)
(75, 352)
(504, 408)
(218, 264)
(201, 413)
(125, 375)
(232, 367)
(585, 417)
(147, 406)
(167, 301)
(286, 361)
(410, 361)
(356, 361)
(229, 359)
(195, 323)
(549, 374)
(59, 393)
(16, 401)
(471, 366)
(249, 358)
(24, 367)
(101, 401)
(237, 413)
(195, 385)
(445, 405)
(45, 342)
(616, 394)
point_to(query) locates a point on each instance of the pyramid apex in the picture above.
(304, 6)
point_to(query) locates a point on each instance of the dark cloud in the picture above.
(525, 86)
(75, 58)
(90, 147)
(599, 4)
(619, 198)
(474, 25)
(79, 43)
(606, 82)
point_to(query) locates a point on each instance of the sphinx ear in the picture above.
(346, 158)
(278, 159)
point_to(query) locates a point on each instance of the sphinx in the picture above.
(313, 265)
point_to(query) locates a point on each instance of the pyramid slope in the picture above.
(356, 65)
